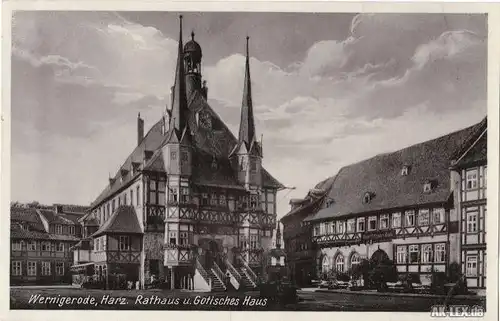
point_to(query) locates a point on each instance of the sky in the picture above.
(328, 89)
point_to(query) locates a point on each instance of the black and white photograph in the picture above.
(250, 161)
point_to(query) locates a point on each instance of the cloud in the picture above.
(391, 80)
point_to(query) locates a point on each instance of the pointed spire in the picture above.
(247, 126)
(179, 101)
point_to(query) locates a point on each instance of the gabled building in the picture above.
(203, 200)
(41, 239)
(399, 206)
(469, 176)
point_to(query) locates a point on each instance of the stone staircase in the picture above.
(217, 283)
(247, 281)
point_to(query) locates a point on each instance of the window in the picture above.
(328, 228)
(254, 201)
(60, 247)
(185, 195)
(45, 246)
(340, 227)
(59, 229)
(138, 195)
(326, 264)
(32, 246)
(316, 230)
(97, 246)
(204, 199)
(132, 197)
(410, 218)
(213, 199)
(72, 230)
(351, 226)
(119, 201)
(222, 200)
(401, 254)
(471, 267)
(426, 253)
(60, 268)
(423, 217)
(172, 236)
(45, 268)
(439, 253)
(438, 215)
(157, 192)
(31, 268)
(413, 253)
(384, 221)
(485, 175)
(472, 222)
(404, 171)
(471, 179)
(124, 243)
(372, 223)
(184, 156)
(125, 199)
(427, 187)
(254, 241)
(396, 220)
(173, 155)
(17, 245)
(16, 268)
(355, 259)
(367, 198)
(332, 228)
(183, 238)
(339, 263)
(361, 224)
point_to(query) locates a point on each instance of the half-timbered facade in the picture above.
(202, 198)
(398, 206)
(41, 239)
(470, 175)
(298, 244)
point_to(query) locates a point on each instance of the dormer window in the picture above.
(405, 170)
(428, 186)
(135, 167)
(368, 197)
(329, 202)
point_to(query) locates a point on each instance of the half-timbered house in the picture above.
(203, 201)
(469, 174)
(398, 206)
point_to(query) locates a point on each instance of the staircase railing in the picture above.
(248, 270)
(218, 273)
(203, 272)
(233, 270)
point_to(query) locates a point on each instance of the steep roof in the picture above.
(55, 218)
(28, 215)
(123, 220)
(381, 176)
(474, 150)
(313, 199)
(18, 233)
(72, 208)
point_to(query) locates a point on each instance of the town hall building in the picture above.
(192, 204)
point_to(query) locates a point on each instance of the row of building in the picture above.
(41, 243)
(423, 207)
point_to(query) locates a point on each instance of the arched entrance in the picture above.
(379, 257)
(211, 252)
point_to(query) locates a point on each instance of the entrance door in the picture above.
(211, 254)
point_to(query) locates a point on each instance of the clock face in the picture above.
(206, 120)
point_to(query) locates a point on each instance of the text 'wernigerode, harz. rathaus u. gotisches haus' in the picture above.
(422, 207)
(191, 205)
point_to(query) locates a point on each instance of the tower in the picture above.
(177, 148)
(247, 155)
(192, 64)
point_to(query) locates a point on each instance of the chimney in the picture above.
(140, 129)
(204, 89)
(58, 209)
